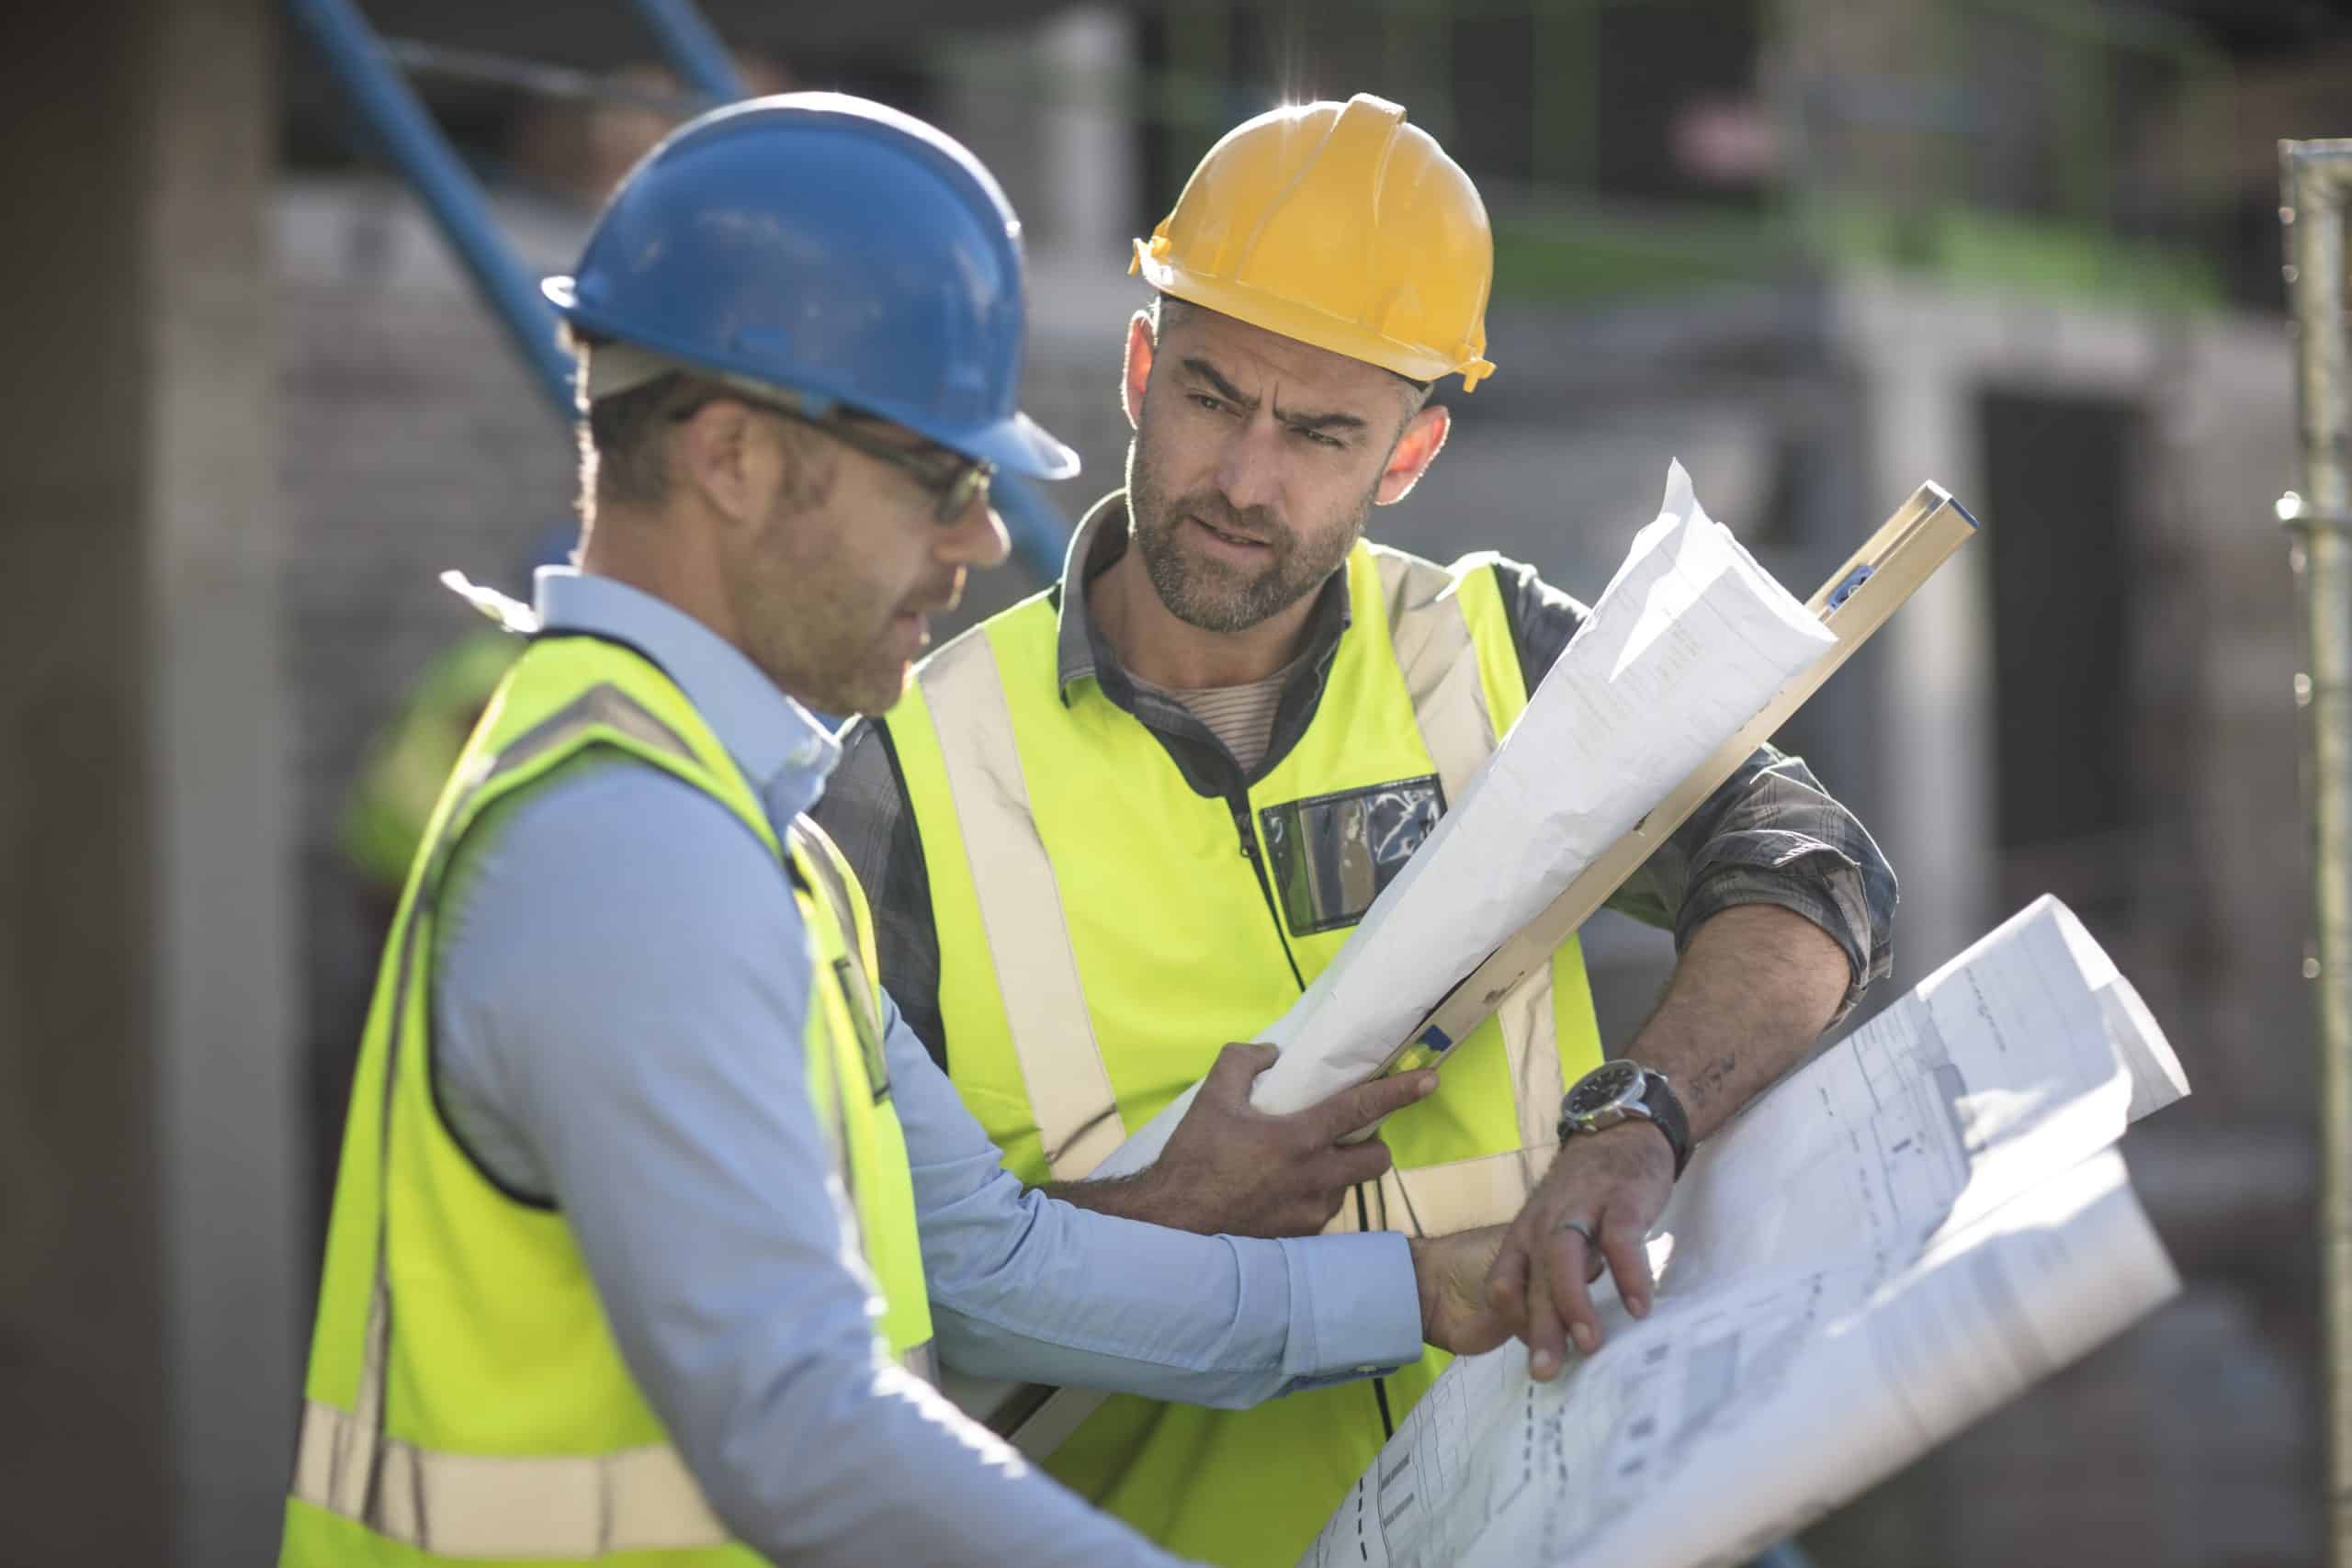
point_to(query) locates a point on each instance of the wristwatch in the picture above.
(1615, 1091)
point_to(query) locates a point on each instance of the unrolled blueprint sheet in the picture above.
(1689, 641)
(1912, 1229)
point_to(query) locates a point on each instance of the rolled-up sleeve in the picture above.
(1771, 834)
(1029, 1287)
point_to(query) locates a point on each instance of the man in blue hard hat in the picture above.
(651, 1212)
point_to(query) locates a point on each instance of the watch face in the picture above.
(1607, 1085)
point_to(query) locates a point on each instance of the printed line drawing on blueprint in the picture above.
(1912, 1228)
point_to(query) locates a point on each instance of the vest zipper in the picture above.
(1239, 805)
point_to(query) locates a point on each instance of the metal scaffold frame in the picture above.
(2316, 180)
(369, 72)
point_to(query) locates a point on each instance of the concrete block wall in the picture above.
(413, 440)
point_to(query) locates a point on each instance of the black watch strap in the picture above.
(1664, 1107)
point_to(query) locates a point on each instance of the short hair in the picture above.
(624, 449)
(623, 457)
(623, 460)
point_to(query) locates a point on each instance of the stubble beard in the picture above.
(821, 648)
(1209, 594)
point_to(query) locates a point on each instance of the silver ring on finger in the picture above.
(1589, 1240)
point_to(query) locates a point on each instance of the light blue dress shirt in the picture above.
(619, 985)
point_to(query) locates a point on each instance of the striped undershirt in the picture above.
(1241, 717)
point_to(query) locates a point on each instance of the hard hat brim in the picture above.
(1317, 329)
(1018, 445)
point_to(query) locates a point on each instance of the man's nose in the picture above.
(1249, 470)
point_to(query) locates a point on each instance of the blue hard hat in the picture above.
(831, 246)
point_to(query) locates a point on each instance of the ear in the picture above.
(722, 454)
(1416, 449)
(1134, 373)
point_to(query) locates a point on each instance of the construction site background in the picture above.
(1820, 250)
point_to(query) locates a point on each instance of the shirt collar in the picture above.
(785, 751)
(1100, 540)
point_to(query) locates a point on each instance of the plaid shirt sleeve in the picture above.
(1770, 835)
(865, 809)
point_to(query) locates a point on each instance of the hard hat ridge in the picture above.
(1340, 225)
(832, 247)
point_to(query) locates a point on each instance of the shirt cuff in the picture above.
(1355, 1310)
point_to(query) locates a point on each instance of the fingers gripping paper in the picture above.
(1690, 640)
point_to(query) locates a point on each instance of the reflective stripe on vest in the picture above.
(812, 852)
(531, 1505)
(486, 1500)
(1020, 913)
(1441, 665)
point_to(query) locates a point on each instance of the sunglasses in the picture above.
(952, 482)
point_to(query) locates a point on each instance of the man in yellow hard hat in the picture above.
(1143, 808)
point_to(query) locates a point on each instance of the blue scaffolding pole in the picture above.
(393, 109)
(694, 51)
(451, 194)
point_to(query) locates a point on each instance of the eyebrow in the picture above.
(1223, 389)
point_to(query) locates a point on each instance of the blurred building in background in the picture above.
(1821, 250)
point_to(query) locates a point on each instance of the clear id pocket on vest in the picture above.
(1332, 854)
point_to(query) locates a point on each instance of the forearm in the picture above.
(1772, 835)
(1226, 1322)
(1124, 1197)
(1141, 1197)
(1755, 987)
(1024, 1286)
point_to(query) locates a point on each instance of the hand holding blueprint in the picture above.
(1913, 1228)
(1690, 640)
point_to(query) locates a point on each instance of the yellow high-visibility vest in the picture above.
(465, 1401)
(1103, 929)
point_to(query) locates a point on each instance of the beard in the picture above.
(1217, 595)
(820, 627)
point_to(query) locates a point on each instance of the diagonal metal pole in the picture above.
(391, 107)
(369, 74)
(1038, 531)
(693, 50)
(2316, 179)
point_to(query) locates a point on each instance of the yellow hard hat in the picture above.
(1341, 226)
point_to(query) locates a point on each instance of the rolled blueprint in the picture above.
(1689, 641)
(1916, 1226)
